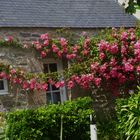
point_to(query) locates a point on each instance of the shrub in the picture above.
(45, 122)
(2, 124)
(128, 113)
(107, 129)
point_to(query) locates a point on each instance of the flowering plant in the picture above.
(109, 61)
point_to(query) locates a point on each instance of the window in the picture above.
(54, 95)
(3, 87)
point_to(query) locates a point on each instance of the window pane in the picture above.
(1, 85)
(49, 87)
(49, 100)
(46, 68)
(56, 97)
(53, 93)
(53, 97)
(53, 67)
(54, 88)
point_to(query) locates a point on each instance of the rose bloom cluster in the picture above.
(16, 77)
(119, 62)
(117, 66)
(61, 48)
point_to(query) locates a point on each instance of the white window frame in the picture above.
(62, 90)
(5, 84)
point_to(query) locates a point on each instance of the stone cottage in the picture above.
(27, 19)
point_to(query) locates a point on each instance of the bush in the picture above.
(107, 129)
(2, 126)
(45, 122)
(128, 113)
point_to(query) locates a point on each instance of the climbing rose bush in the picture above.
(61, 48)
(109, 61)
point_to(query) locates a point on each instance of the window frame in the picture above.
(5, 90)
(62, 90)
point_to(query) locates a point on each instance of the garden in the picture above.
(107, 63)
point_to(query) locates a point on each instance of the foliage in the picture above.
(132, 6)
(125, 123)
(1, 119)
(2, 126)
(44, 122)
(128, 113)
(107, 130)
(9, 41)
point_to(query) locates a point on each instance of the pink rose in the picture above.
(103, 45)
(9, 39)
(74, 49)
(132, 36)
(86, 43)
(114, 49)
(85, 52)
(122, 79)
(51, 81)
(137, 45)
(55, 48)
(94, 66)
(137, 51)
(131, 77)
(60, 84)
(63, 42)
(138, 69)
(124, 36)
(38, 86)
(38, 46)
(46, 42)
(3, 75)
(65, 49)
(97, 81)
(84, 34)
(101, 56)
(70, 56)
(70, 84)
(13, 71)
(114, 73)
(16, 81)
(78, 80)
(59, 54)
(103, 68)
(43, 54)
(44, 36)
(44, 86)
(25, 85)
(113, 62)
(128, 67)
(106, 76)
(123, 50)
(32, 84)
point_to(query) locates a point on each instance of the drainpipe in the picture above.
(93, 129)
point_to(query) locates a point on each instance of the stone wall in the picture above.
(31, 34)
(29, 61)
(26, 60)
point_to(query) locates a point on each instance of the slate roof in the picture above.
(63, 13)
